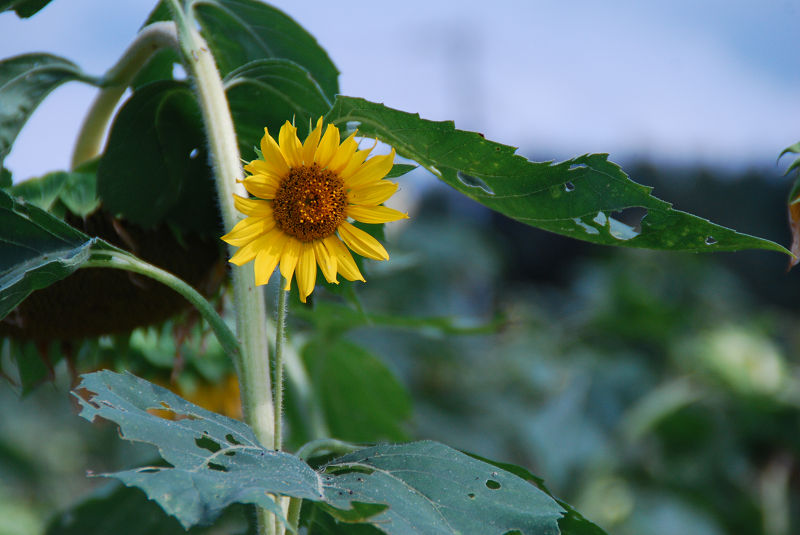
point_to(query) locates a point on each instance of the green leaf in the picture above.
(127, 511)
(576, 198)
(23, 8)
(42, 191)
(361, 398)
(79, 193)
(155, 167)
(24, 82)
(400, 169)
(36, 250)
(431, 488)
(572, 523)
(267, 93)
(5, 178)
(241, 31)
(215, 461)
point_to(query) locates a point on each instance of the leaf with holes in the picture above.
(214, 460)
(431, 488)
(24, 82)
(576, 198)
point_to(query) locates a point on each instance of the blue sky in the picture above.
(679, 81)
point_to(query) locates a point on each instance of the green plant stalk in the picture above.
(280, 337)
(253, 367)
(128, 262)
(150, 40)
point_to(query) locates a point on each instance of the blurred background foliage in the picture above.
(656, 392)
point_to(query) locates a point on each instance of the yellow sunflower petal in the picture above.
(268, 257)
(249, 251)
(344, 260)
(374, 214)
(326, 261)
(372, 194)
(254, 207)
(355, 163)
(361, 242)
(290, 145)
(259, 168)
(311, 143)
(289, 258)
(273, 157)
(261, 186)
(327, 147)
(306, 271)
(247, 230)
(343, 154)
(373, 170)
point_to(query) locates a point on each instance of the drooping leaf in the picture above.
(576, 198)
(36, 250)
(422, 487)
(23, 8)
(24, 82)
(127, 511)
(361, 398)
(241, 31)
(431, 488)
(77, 190)
(155, 167)
(42, 191)
(267, 93)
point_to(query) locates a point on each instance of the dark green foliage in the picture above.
(155, 167)
(23, 8)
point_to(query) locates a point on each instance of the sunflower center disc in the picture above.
(310, 203)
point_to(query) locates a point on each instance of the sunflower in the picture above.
(305, 196)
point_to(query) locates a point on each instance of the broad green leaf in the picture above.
(5, 178)
(118, 510)
(24, 82)
(361, 398)
(155, 167)
(241, 31)
(23, 8)
(267, 93)
(432, 489)
(576, 198)
(214, 461)
(400, 169)
(36, 250)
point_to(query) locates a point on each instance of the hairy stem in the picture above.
(150, 40)
(280, 337)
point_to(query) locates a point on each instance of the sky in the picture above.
(713, 82)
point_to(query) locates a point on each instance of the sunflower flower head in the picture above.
(304, 196)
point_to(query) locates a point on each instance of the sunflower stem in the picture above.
(280, 337)
(150, 40)
(128, 262)
(253, 367)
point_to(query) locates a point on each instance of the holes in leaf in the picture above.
(474, 182)
(232, 440)
(471, 495)
(178, 72)
(207, 444)
(711, 240)
(217, 467)
(492, 484)
(631, 216)
(230, 453)
(569, 186)
(194, 153)
(577, 166)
